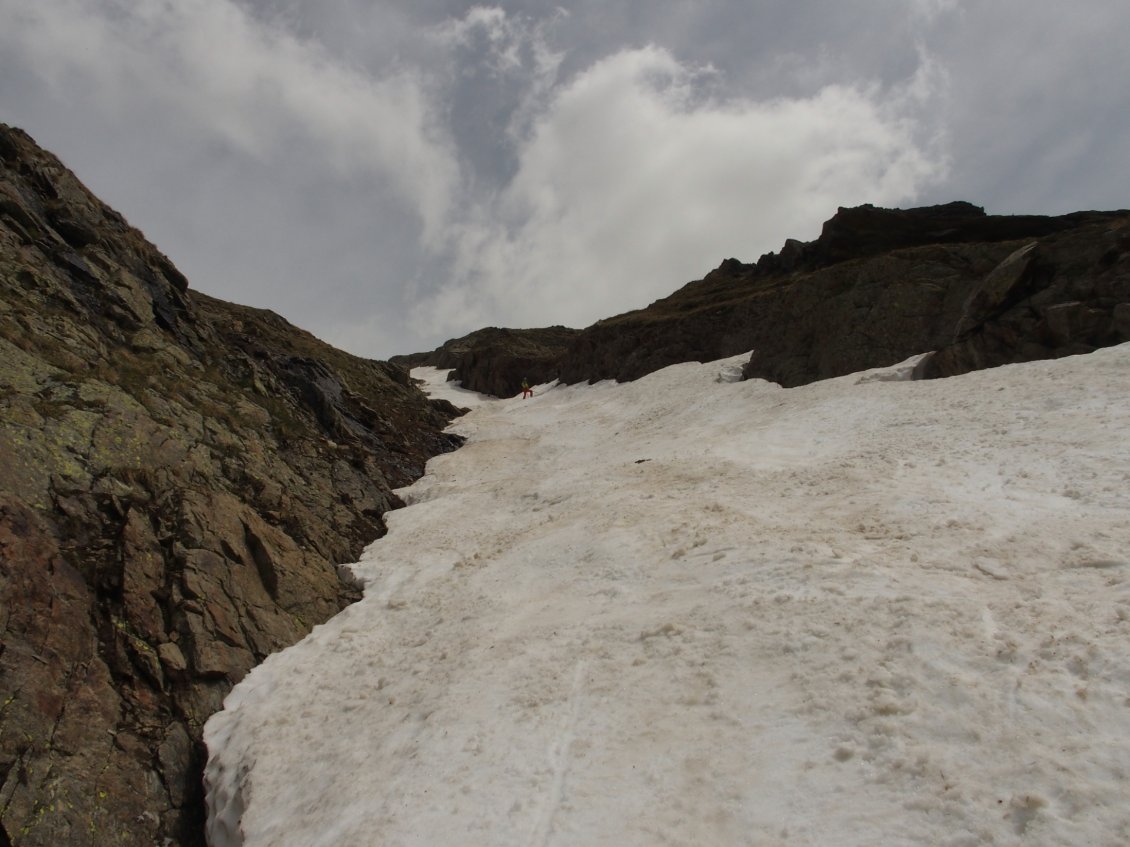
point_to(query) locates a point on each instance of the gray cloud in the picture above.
(635, 179)
(1037, 118)
(387, 175)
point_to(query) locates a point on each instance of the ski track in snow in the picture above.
(685, 611)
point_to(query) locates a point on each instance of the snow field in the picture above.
(685, 611)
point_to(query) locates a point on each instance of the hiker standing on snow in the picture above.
(526, 390)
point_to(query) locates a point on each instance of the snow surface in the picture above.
(691, 611)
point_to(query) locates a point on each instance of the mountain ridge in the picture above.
(877, 286)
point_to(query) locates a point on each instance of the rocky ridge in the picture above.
(495, 361)
(877, 286)
(881, 285)
(178, 478)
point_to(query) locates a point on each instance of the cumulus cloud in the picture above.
(391, 174)
(635, 179)
(208, 72)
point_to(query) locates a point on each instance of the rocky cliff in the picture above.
(877, 286)
(178, 478)
(495, 361)
(881, 285)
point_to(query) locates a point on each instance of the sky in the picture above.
(389, 175)
(708, 612)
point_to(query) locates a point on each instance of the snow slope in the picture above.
(689, 611)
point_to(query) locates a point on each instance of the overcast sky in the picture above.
(391, 174)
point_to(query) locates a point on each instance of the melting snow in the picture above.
(692, 611)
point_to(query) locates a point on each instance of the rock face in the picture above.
(495, 361)
(880, 285)
(1057, 296)
(178, 478)
(877, 286)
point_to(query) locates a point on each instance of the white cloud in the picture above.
(634, 181)
(206, 70)
(490, 22)
(470, 165)
(514, 48)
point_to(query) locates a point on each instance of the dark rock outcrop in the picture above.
(495, 361)
(879, 286)
(178, 478)
(1059, 296)
(863, 231)
(450, 353)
